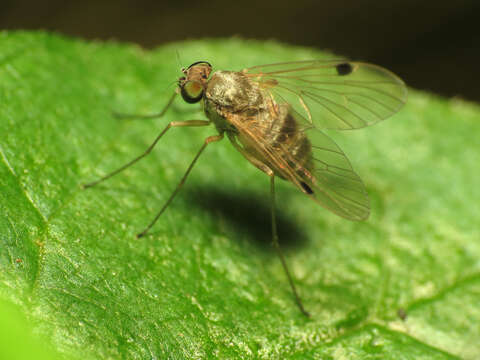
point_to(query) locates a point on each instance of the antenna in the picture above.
(179, 62)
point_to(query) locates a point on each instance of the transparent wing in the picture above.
(333, 94)
(330, 180)
(326, 175)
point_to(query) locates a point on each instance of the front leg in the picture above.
(149, 149)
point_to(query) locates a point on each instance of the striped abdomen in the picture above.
(292, 144)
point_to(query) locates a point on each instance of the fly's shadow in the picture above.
(247, 214)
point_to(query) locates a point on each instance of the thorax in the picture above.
(230, 93)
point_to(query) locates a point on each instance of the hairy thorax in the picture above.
(229, 93)
(233, 90)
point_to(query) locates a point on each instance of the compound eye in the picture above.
(192, 91)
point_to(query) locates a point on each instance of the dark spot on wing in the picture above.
(344, 69)
(307, 188)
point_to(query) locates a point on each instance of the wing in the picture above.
(325, 175)
(330, 179)
(333, 94)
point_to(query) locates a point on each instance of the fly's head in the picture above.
(194, 82)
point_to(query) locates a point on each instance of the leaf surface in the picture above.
(206, 284)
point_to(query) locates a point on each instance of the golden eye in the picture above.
(192, 91)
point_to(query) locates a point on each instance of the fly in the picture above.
(274, 116)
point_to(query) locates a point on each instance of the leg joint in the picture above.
(213, 138)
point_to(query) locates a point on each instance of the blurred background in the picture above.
(432, 45)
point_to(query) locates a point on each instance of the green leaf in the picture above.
(403, 285)
(16, 340)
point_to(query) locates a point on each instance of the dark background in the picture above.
(432, 45)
